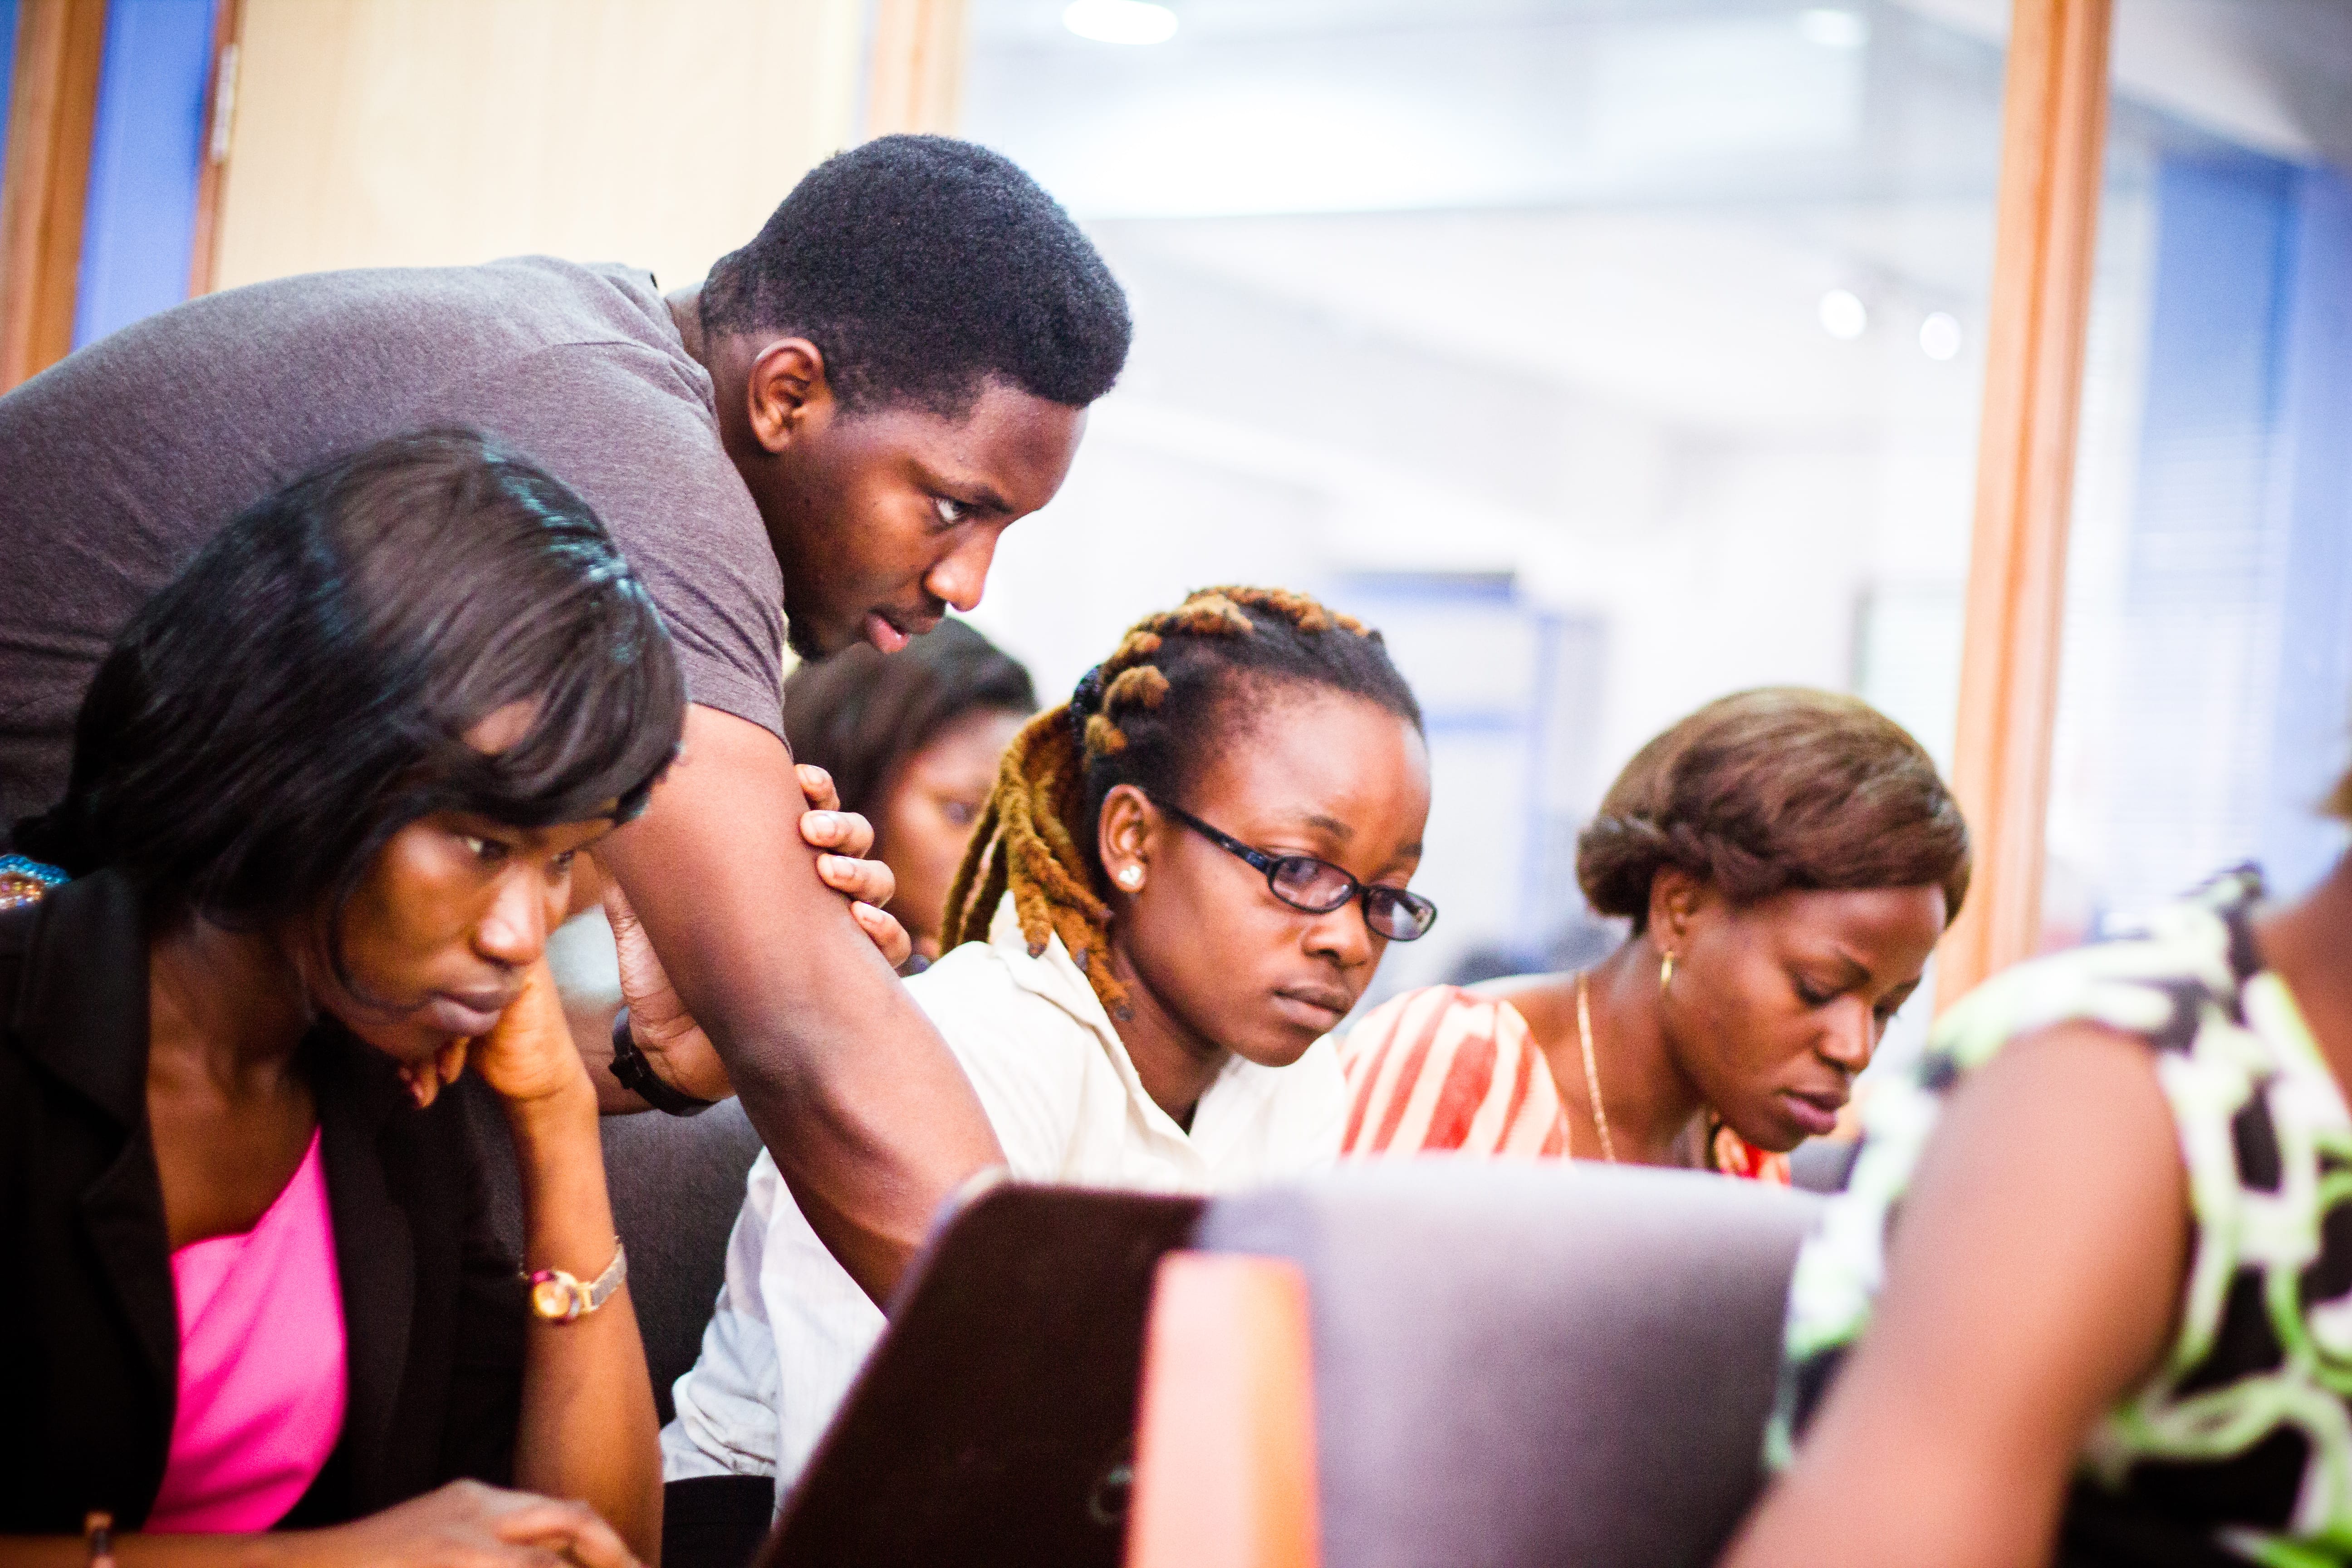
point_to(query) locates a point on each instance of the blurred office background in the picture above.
(1613, 356)
(1610, 355)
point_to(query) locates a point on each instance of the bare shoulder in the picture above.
(2095, 1084)
(1545, 1004)
(2064, 1140)
(2033, 1271)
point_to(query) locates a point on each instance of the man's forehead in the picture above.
(1010, 442)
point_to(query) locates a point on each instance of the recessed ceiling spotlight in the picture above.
(1939, 335)
(1844, 315)
(1835, 29)
(1120, 21)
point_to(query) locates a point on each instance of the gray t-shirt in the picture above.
(118, 463)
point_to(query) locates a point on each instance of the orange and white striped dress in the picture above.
(1441, 1070)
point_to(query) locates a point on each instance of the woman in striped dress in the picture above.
(1786, 860)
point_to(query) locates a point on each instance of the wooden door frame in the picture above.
(44, 191)
(2054, 137)
(52, 114)
(220, 122)
(920, 53)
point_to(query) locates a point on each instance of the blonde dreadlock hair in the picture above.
(1142, 717)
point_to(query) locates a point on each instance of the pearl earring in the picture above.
(1131, 877)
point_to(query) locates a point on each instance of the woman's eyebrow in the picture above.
(1344, 831)
(1859, 972)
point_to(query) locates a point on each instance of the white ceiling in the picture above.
(1641, 202)
(1704, 321)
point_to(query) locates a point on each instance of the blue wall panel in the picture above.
(2202, 561)
(145, 156)
(7, 68)
(2312, 486)
(2238, 578)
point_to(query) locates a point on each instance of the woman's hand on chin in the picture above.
(529, 1057)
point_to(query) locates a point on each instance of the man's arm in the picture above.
(870, 1119)
(665, 1031)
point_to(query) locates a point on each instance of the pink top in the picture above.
(262, 1380)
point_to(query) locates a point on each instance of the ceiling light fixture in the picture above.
(1835, 29)
(1120, 21)
(1939, 335)
(1844, 315)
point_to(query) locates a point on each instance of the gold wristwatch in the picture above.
(559, 1297)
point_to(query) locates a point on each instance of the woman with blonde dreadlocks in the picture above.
(1181, 883)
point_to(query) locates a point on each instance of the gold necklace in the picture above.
(1591, 1070)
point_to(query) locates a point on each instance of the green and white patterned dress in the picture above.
(2240, 1447)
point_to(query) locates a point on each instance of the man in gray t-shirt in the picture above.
(827, 436)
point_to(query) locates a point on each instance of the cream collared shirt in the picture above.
(791, 1329)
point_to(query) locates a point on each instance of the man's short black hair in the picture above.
(922, 266)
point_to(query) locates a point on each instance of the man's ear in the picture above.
(787, 392)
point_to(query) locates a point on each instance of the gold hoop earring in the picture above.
(1666, 971)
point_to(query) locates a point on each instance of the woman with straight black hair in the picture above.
(326, 792)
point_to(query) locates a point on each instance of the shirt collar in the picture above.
(1237, 1090)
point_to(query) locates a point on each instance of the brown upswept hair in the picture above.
(1145, 716)
(1782, 787)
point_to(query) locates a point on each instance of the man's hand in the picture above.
(679, 1052)
(869, 883)
(658, 1020)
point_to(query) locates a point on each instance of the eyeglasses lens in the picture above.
(1319, 887)
(1398, 916)
(1314, 886)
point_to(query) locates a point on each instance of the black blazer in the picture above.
(433, 1309)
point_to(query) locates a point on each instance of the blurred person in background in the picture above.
(912, 742)
(1183, 882)
(326, 794)
(2087, 1296)
(1581, 939)
(821, 441)
(1786, 860)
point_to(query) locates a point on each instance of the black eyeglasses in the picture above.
(1319, 887)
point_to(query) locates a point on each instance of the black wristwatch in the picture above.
(637, 1074)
